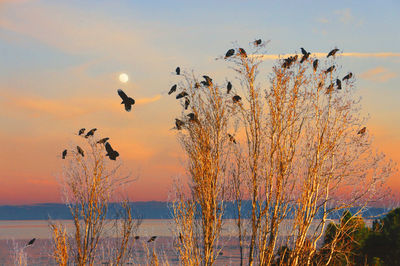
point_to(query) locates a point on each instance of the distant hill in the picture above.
(144, 210)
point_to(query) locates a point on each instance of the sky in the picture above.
(60, 62)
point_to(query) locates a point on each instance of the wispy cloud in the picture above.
(319, 55)
(149, 100)
(378, 74)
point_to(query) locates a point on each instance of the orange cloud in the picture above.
(378, 74)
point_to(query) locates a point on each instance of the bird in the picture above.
(303, 51)
(236, 98)
(228, 87)
(187, 102)
(193, 118)
(64, 153)
(197, 85)
(315, 64)
(30, 243)
(229, 53)
(172, 90)
(362, 131)
(348, 76)
(81, 131)
(181, 95)
(231, 138)
(329, 89)
(178, 70)
(102, 141)
(333, 52)
(111, 153)
(90, 133)
(305, 57)
(338, 84)
(288, 62)
(257, 42)
(330, 69)
(207, 82)
(151, 239)
(179, 124)
(137, 237)
(80, 151)
(127, 101)
(242, 52)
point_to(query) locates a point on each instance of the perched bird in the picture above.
(90, 133)
(305, 57)
(288, 61)
(229, 53)
(362, 131)
(81, 131)
(179, 124)
(315, 64)
(197, 85)
(102, 141)
(64, 153)
(136, 237)
(151, 239)
(80, 151)
(178, 70)
(329, 89)
(338, 84)
(333, 52)
(111, 153)
(181, 95)
(207, 82)
(348, 76)
(303, 51)
(242, 52)
(187, 102)
(236, 98)
(172, 90)
(257, 42)
(127, 101)
(330, 69)
(231, 138)
(193, 118)
(228, 87)
(30, 243)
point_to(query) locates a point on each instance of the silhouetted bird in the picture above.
(315, 64)
(181, 95)
(137, 237)
(111, 153)
(64, 153)
(229, 53)
(236, 98)
(172, 90)
(90, 133)
(288, 62)
(192, 118)
(303, 51)
(30, 243)
(178, 70)
(228, 87)
(187, 102)
(329, 89)
(304, 58)
(333, 52)
(338, 84)
(102, 141)
(81, 131)
(207, 82)
(348, 76)
(362, 131)
(179, 124)
(151, 239)
(330, 69)
(80, 151)
(257, 42)
(242, 52)
(231, 138)
(127, 101)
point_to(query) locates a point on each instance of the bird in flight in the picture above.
(90, 133)
(30, 243)
(151, 239)
(315, 64)
(181, 95)
(348, 76)
(236, 98)
(111, 153)
(228, 87)
(179, 124)
(257, 42)
(64, 153)
(242, 52)
(231, 138)
(102, 141)
(178, 70)
(333, 52)
(127, 101)
(172, 90)
(362, 131)
(229, 53)
(330, 69)
(187, 102)
(81, 131)
(80, 151)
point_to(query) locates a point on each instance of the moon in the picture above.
(123, 77)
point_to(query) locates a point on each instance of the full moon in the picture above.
(123, 78)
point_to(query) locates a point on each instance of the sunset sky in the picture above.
(60, 62)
